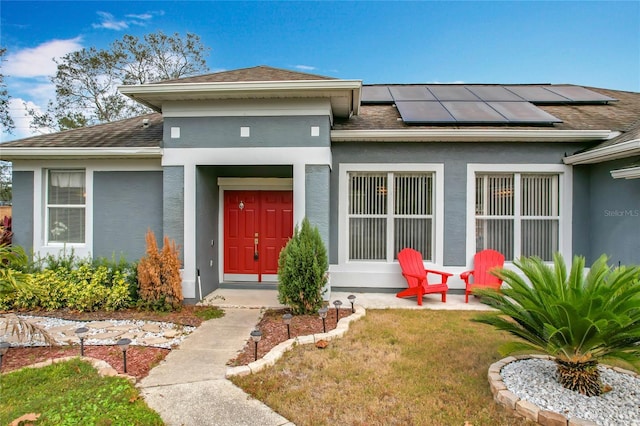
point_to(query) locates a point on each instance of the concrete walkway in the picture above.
(189, 387)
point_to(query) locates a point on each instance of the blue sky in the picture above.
(588, 42)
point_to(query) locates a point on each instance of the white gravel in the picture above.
(134, 326)
(534, 380)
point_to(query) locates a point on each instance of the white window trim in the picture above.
(39, 169)
(565, 184)
(343, 201)
(48, 206)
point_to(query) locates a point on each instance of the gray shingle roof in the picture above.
(259, 73)
(128, 133)
(620, 116)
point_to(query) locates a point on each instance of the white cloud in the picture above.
(109, 22)
(305, 67)
(38, 61)
(22, 120)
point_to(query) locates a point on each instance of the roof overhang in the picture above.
(49, 153)
(469, 135)
(606, 153)
(343, 94)
(626, 173)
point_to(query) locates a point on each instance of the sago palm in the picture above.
(579, 319)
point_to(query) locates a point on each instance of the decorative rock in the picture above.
(550, 418)
(109, 335)
(581, 422)
(99, 324)
(507, 398)
(152, 341)
(170, 333)
(527, 410)
(151, 328)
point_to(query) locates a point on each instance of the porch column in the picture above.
(317, 199)
(299, 192)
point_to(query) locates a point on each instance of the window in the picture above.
(518, 214)
(65, 207)
(388, 211)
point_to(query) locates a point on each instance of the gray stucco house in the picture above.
(231, 161)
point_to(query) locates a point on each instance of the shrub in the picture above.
(74, 283)
(160, 284)
(302, 270)
(577, 318)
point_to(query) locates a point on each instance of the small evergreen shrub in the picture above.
(302, 270)
(160, 284)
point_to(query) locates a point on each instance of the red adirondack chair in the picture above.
(483, 262)
(416, 275)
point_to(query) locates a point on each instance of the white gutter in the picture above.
(470, 135)
(628, 173)
(607, 153)
(24, 153)
(253, 86)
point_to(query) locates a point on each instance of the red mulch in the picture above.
(274, 331)
(141, 359)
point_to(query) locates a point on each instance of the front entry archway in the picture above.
(257, 225)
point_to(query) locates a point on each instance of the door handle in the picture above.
(255, 248)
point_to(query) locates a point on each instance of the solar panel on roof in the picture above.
(473, 112)
(452, 93)
(411, 93)
(376, 94)
(523, 112)
(537, 94)
(494, 93)
(579, 94)
(424, 112)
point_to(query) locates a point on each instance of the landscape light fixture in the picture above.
(337, 304)
(287, 320)
(352, 299)
(4, 347)
(82, 333)
(124, 345)
(323, 314)
(256, 335)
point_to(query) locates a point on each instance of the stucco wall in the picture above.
(22, 212)
(614, 212)
(173, 204)
(224, 132)
(317, 199)
(455, 157)
(126, 204)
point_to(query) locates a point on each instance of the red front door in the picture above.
(257, 224)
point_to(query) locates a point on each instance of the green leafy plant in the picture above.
(302, 270)
(579, 319)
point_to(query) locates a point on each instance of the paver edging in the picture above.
(527, 409)
(278, 351)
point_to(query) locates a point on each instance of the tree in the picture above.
(5, 118)
(86, 81)
(5, 181)
(302, 270)
(578, 319)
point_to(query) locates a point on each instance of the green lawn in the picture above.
(394, 367)
(72, 393)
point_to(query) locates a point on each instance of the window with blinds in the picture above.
(389, 211)
(66, 195)
(518, 214)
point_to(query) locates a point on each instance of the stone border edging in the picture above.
(103, 367)
(526, 409)
(278, 351)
